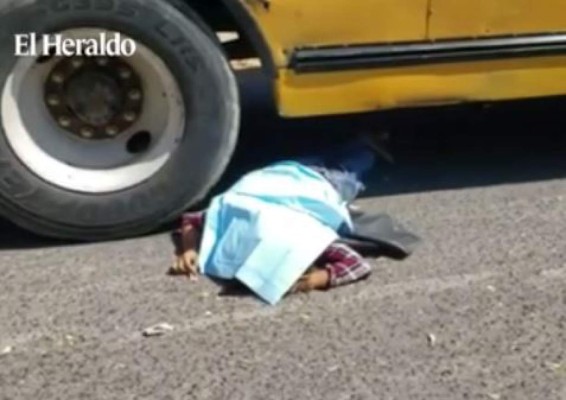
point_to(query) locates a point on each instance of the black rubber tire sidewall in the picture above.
(208, 88)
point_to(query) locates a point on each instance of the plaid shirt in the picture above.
(344, 264)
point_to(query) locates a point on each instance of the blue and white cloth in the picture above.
(251, 230)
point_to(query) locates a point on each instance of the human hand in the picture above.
(186, 260)
(186, 264)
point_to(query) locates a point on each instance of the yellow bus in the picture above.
(116, 115)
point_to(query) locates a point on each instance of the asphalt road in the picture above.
(479, 312)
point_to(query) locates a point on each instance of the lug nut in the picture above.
(111, 131)
(102, 61)
(58, 78)
(125, 73)
(130, 116)
(87, 133)
(134, 94)
(77, 62)
(65, 122)
(53, 100)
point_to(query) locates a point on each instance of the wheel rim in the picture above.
(68, 142)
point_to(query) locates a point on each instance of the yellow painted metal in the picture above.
(289, 24)
(348, 92)
(465, 18)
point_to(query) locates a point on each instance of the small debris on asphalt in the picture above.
(157, 330)
(494, 396)
(491, 288)
(208, 313)
(305, 317)
(554, 366)
(431, 339)
(6, 350)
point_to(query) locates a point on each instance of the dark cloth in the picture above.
(377, 235)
